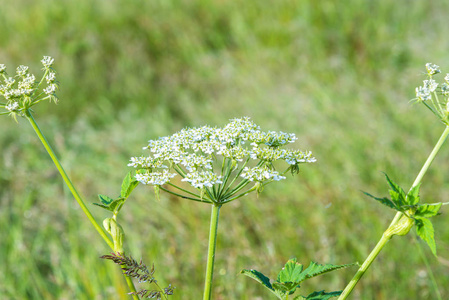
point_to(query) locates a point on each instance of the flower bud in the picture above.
(116, 232)
(402, 227)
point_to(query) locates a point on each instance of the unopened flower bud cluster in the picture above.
(433, 94)
(201, 155)
(23, 90)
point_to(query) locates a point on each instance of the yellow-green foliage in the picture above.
(339, 74)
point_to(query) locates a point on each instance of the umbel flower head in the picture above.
(22, 91)
(434, 95)
(218, 165)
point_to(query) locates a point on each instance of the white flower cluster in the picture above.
(261, 174)
(202, 179)
(22, 91)
(193, 153)
(155, 178)
(430, 93)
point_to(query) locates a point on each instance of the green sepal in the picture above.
(321, 295)
(428, 210)
(424, 229)
(128, 184)
(110, 204)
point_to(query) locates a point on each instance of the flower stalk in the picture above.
(21, 93)
(74, 192)
(211, 250)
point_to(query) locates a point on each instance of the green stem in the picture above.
(366, 264)
(386, 237)
(74, 191)
(211, 252)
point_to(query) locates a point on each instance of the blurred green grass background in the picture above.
(338, 74)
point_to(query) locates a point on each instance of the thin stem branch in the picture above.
(75, 194)
(184, 197)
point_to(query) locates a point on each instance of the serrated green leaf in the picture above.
(425, 230)
(128, 185)
(265, 281)
(110, 204)
(413, 195)
(290, 272)
(321, 295)
(106, 200)
(103, 206)
(397, 193)
(315, 269)
(428, 210)
(259, 277)
(384, 201)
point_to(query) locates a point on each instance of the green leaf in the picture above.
(397, 193)
(128, 185)
(110, 204)
(315, 269)
(428, 210)
(384, 201)
(259, 277)
(413, 195)
(425, 230)
(106, 200)
(290, 272)
(321, 295)
(265, 281)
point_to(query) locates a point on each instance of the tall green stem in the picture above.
(74, 191)
(211, 252)
(386, 237)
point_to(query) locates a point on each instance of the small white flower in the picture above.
(27, 82)
(51, 89)
(9, 81)
(203, 179)
(446, 77)
(445, 89)
(47, 61)
(12, 106)
(423, 93)
(155, 178)
(51, 77)
(22, 70)
(431, 85)
(432, 69)
(2, 68)
(261, 174)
